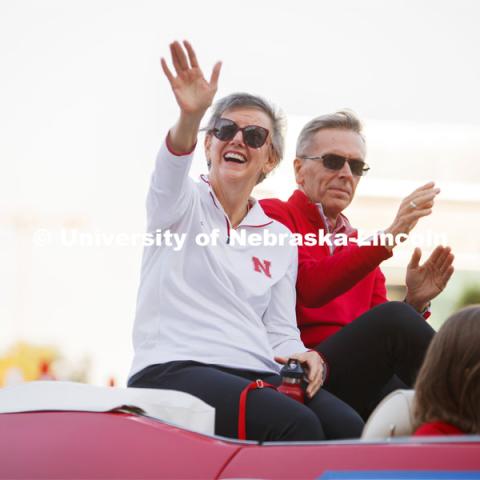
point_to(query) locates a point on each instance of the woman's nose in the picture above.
(237, 138)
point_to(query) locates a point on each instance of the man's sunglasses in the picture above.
(253, 135)
(333, 161)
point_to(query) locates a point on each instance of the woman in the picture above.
(447, 391)
(213, 319)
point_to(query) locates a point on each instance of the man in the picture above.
(338, 285)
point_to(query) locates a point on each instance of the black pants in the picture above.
(378, 352)
(270, 415)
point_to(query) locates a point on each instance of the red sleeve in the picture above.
(322, 278)
(379, 290)
(438, 428)
(427, 429)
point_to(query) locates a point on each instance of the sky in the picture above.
(84, 107)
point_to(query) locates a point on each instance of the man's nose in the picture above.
(345, 171)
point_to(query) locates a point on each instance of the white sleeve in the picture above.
(280, 319)
(171, 189)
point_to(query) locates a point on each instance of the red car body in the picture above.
(72, 445)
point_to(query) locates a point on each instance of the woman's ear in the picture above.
(272, 161)
(207, 142)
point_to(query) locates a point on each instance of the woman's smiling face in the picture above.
(233, 160)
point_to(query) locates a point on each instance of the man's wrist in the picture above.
(389, 233)
(396, 235)
(420, 306)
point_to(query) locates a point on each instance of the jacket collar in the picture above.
(307, 207)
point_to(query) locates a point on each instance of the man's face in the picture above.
(334, 189)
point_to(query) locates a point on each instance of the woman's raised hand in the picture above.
(193, 92)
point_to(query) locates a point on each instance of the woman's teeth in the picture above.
(234, 157)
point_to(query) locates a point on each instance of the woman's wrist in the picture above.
(183, 135)
(326, 369)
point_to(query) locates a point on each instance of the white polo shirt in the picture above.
(229, 304)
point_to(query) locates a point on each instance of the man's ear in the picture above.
(297, 167)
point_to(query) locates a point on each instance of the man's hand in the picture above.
(193, 93)
(413, 207)
(313, 365)
(425, 282)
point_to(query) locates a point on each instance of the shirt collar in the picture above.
(342, 224)
(255, 217)
(314, 213)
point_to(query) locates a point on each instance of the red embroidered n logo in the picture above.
(264, 267)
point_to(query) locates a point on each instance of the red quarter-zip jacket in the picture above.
(332, 289)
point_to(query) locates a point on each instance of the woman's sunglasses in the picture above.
(253, 135)
(333, 161)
